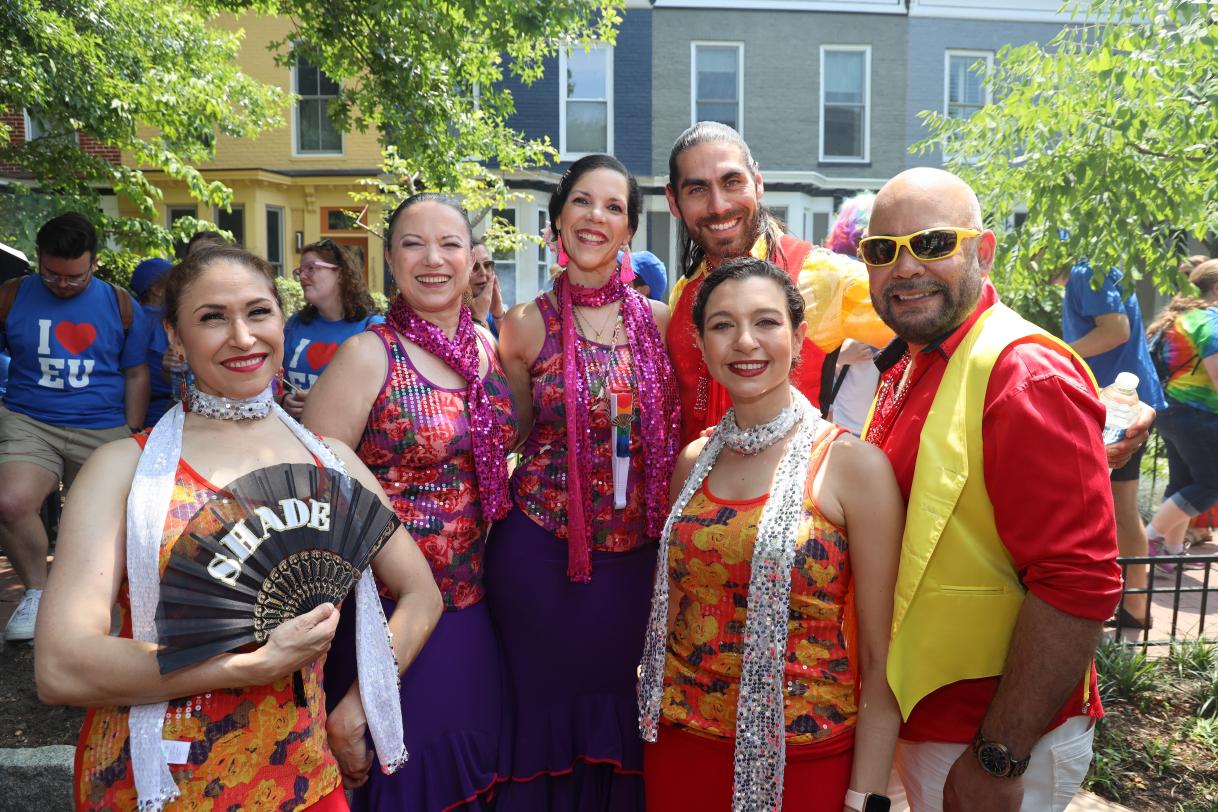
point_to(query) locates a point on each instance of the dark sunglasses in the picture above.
(927, 245)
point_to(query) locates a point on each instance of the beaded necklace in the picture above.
(597, 373)
(222, 408)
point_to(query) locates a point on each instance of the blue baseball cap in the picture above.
(147, 272)
(650, 269)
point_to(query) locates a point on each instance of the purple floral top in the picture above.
(417, 443)
(539, 484)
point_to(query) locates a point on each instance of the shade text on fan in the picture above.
(243, 542)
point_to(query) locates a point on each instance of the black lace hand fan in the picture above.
(277, 543)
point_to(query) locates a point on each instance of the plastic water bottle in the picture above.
(1120, 399)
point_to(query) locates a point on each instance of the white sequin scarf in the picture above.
(760, 753)
(147, 506)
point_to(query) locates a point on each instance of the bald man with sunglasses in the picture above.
(1008, 566)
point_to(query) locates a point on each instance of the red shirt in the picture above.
(1047, 476)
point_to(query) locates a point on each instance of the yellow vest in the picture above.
(958, 592)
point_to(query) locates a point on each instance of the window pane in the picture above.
(586, 77)
(658, 225)
(723, 113)
(964, 83)
(233, 221)
(306, 77)
(274, 237)
(307, 125)
(326, 85)
(844, 132)
(543, 254)
(331, 138)
(587, 126)
(717, 78)
(844, 80)
(178, 212)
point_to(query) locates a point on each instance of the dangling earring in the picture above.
(627, 266)
(563, 259)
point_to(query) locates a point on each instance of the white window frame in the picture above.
(847, 159)
(29, 127)
(28, 123)
(563, 153)
(693, 79)
(296, 153)
(988, 56)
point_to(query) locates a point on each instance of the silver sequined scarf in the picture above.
(147, 506)
(760, 754)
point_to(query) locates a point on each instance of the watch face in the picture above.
(994, 759)
(876, 803)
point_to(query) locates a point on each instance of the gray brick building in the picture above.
(826, 92)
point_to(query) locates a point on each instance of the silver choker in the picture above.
(221, 408)
(754, 440)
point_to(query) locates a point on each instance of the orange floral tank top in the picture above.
(251, 749)
(709, 561)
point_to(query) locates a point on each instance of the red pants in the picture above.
(684, 771)
(336, 801)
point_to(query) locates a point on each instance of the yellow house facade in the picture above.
(291, 185)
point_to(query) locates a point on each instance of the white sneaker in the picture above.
(21, 624)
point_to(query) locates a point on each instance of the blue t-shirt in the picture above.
(162, 394)
(3, 373)
(1079, 310)
(68, 355)
(307, 348)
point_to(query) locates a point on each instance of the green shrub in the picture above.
(1125, 675)
(291, 294)
(1193, 658)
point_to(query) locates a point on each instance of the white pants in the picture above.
(1059, 764)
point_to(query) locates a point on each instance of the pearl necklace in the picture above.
(222, 408)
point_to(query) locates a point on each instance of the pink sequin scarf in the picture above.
(659, 415)
(461, 355)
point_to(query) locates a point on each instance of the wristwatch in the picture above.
(867, 801)
(997, 760)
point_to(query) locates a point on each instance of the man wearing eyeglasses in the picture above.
(1008, 565)
(77, 379)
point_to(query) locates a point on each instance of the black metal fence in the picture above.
(1191, 591)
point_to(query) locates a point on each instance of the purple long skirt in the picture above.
(571, 652)
(452, 703)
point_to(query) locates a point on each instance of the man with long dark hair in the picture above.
(715, 190)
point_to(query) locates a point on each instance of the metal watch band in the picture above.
(997, 760)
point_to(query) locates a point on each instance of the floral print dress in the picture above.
(250, 749)
(418, 445)
(709, 561)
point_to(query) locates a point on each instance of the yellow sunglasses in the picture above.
(927, 245)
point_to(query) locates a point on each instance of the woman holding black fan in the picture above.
(425, 403)
(195, 568)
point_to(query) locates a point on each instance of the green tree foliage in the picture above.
(152, 78)
(1110, 131)
(429, 77)
(148, 77)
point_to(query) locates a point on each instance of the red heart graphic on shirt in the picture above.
(75, 338)
(319, 353)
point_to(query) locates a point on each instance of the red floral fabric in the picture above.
(417, 443)
(248, 749)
